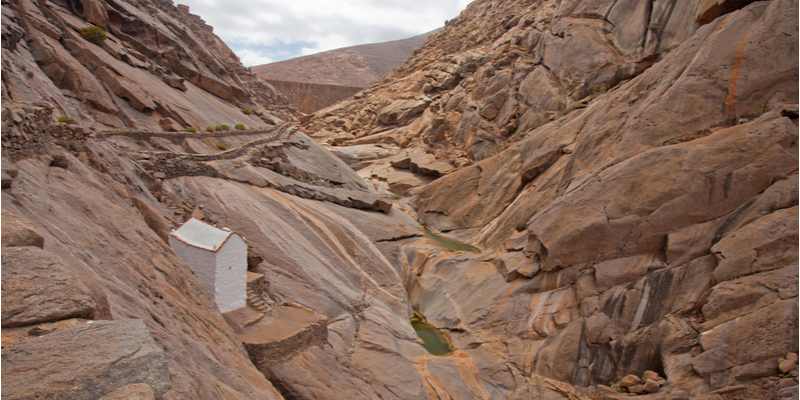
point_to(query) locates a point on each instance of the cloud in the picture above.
(258, 30)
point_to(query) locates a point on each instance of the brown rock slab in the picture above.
(9, 173)
(650, 375)
(126, 89)
(137, 391)
(758, 246)
(85, 361)
(650, 386)
(18, 232)
(38, 287)
(629, 380)
(787, 365)
(279, 336)
(678, 395)
(735, 349)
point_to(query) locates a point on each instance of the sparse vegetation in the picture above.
(67, 120)
(222, 127)
(222, 146)
(246, 111)
(761, 110)
(597, 91)
(30, 74)
(535, 124)
(94, 34)
(240, 127)
(191, 129)
(209, 129)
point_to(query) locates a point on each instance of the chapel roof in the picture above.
(197, 233)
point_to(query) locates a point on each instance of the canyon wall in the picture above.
(627, 169)
(159, 67)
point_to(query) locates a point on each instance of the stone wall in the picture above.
(28, 126)
(310, 97)
(268, 354)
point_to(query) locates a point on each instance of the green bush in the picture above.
(222, 146)
(67, 120)
(209, 129)
(94, 34)
(246, 111)
(190, 129)
(240, 127)
(222, 128)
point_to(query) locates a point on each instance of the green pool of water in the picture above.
(435, 341)
(448, 243)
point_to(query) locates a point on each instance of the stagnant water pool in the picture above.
(434, 340)
(448, 243)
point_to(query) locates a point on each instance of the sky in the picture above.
(264, 31)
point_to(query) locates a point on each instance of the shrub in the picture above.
(94, 34)
(222, 146)
(222, 127)
(190, 129)
(209, 129)
(67, 120)
(246, 111)
(240, 127)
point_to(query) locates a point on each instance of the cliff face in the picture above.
(157, 69)
(608, 155)
(628, 171)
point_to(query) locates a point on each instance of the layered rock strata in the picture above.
(159, 67)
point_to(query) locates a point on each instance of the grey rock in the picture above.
(788, 393)
(85, 362)
(38, 287)
(18, 232)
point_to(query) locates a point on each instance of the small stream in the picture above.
(448, 243)
(434, 340)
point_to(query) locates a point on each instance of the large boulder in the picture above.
(18, 232)
(38, 287)
(85, 362)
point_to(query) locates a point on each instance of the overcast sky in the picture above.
(264, 31)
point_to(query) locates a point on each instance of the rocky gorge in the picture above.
(624, 172)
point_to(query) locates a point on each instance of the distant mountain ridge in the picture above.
(356, 66)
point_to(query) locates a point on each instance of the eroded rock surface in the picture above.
(39, 287)
(158, 64)
(628, 171)
(69, 364)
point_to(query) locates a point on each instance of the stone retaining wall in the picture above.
(28, 126)
(265, 355)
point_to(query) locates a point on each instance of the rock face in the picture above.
(18, 232)
(38, 287)
(158, 62)
(621, 196)
(629, 174)
(69, 364)
(104, 239)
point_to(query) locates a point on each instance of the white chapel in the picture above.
(218, 256)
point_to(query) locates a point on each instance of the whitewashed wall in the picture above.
(231, 278)
(202, 261)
